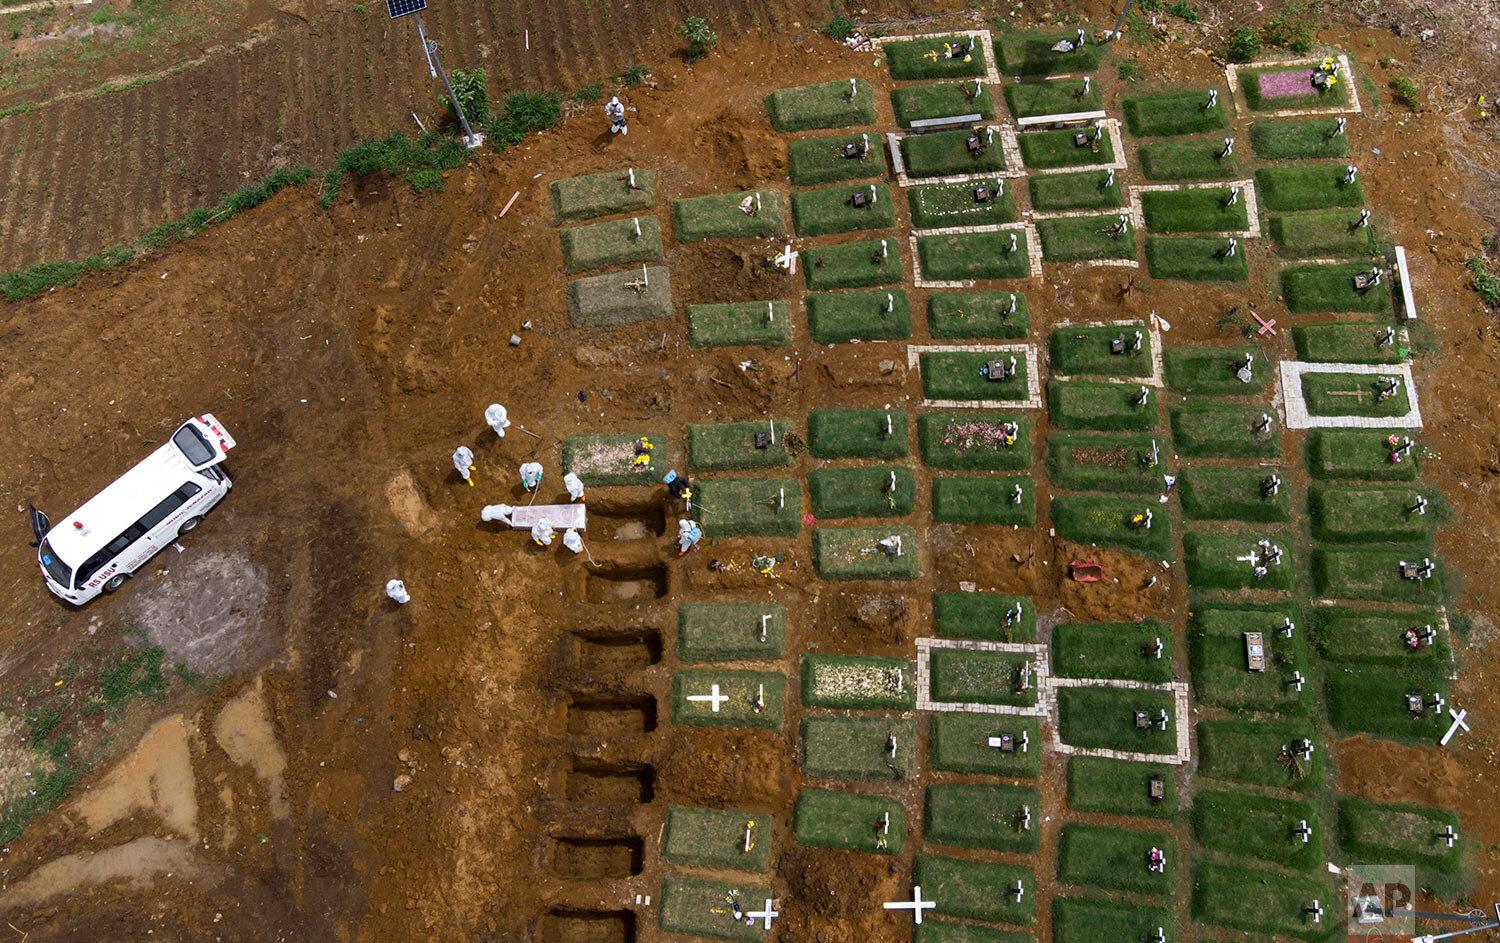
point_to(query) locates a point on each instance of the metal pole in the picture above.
(1115, 33)
(436, 66)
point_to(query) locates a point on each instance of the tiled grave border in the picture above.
(1294, 407)
(1111, 127)
(1033, 398)
(1033, 251)
(1232, 72)
(1156, 378)
(924, 676)
(1247, 194)
(991, 70)
(1013, 168)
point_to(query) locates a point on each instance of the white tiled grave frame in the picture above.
(1033, 251)
(1157, 377)
(1247, 196)
(1007, 135)
(981, 36)
(1033, 398)
(1232, 72)
(1294, 406)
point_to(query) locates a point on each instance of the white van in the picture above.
(100, 545)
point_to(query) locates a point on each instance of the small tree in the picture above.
(700, 38)
(470, 90)
(1245, 45)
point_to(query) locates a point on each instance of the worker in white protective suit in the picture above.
(531, 475)
(574, 484)
(397, 591)
(572, 541)
(495, 415)
(463, 460)
(496, 512)
(541, 532)
(615, 112)
(688, 535)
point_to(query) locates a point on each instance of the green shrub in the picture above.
(472, 94)
(1406, 92)
(1487, 285)
(522, 114)
(1244, 45)
(632, 75)
(839, 27)
(589, 93)
(700, 39)
(1292, 28)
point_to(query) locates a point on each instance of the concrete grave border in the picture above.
(1033, 251)
(991, 70)
(1294, 407)
(1247, 194)
(1232, 72)
(1157, 377)
(1033, 398)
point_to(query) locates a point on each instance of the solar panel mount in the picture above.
(399, 8)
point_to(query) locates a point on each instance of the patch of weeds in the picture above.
(1185, 11)
(591, 92)
(700, 39)
(1244, 45)
(839, 28)
(632, 75)
(1129, 70)
(521, 114)
(1292, 28)
(1487, 285)
(1406, 92)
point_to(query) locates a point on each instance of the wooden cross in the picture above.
(1458, 722)
(767, 914)
(1266, 327)
(714, 698)
(916, 905)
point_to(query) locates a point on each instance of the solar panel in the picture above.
(402, 7)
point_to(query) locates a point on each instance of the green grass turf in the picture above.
(821, 160)
(1211, 370)
(1108, 407)
(853, 265)
(851, 553)
(1374, 575)
(1223, 430)
(1189, 211)
(977, 314)
(1221, 675)
(1405, 835)
(821, 105)
(857, 748)
(973, 255)
(1187, 160)
(858, 315)
(1358, 453)
(978, 677)
(857, 433)
(1095, 920)
(1198, 259)
(1086, 350)
(933, 930)
(1322, 234)
(1114, 859)
(1030, 53)
(1080, 461)
(1111, 650)
(715, 838)
(926, 58)
(984, 501)
(858, 682)
(717, 446)
(689, 905)
(1313, 98)
(976, 890)
(843, 820)
(982, 817)
(943, 153)
(1298, 140)
(1120, 787)
(861, 492)
(831, 210)
(718, 216)
(1252, 826)
(958, 743)
(602, 195)
(1233, 493)
(1267, 902)
(992, 616)
(708, 631)
(612, 301)
(611, 243)
(1244, 751)
(1051, 97)
(934, 205)
(954, 375)
(1089, 190)
(741, 687)
(1049, 150)
(973, 441)
(1318, 187)
(1329, 394)
(1317, 289)
(1173, 113)
(945, 100)
(758, 323)
(1363, 699)
(1343, 343)
(748, 507)
(1211, 562)
(1105, 522)
(611, 459)
(1367, 515)
(1104, 718)
(1377, 637)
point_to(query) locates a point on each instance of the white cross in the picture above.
(714, 699)
(767, 914)
(1025, 741)
(637, 221)
(770, 311)
(1287, 625)
(765, 621)
(1437, 703)
(872, 194)
(1448, 835)
(1458, 722)
(1297, 680)
(1012, 243)
(916, 905)
(788, 260)
(884, 252)
(1019, 890)
(1302, 831)
(1314, 910)
(853, 88)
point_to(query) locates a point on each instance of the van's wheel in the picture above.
(189, 525)
(115, 582)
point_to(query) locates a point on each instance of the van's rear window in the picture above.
(192, 443)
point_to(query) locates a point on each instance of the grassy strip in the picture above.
(612, 459)
(1343, 343)
(1114, 859)
(744, 690)
(927, 58)
(934, 205)
(1322, 233)
(942, 153)
(1254, 753)
(1233, 493)
(1106, 522)
(1120, 787)
(1359, 453)
(1213, 561)
(1221, 675)
(1405, 835)
(603, 194)
(720, 446)
(611, 243)
(697, 907)
(1367, 515)
(857, 433)
(1289, 189)
(982, 817)
(822, 160)
(1190, 211)
(973, 255)
(1298, 140)
(1031, 52)
(843, 820)
(984, 501)
(1081, 461)
(853, 265)
(1375, 575)
(749, 507)
(993, 616)
(1049, 150)
(1173, 113)
(955, 375)
(862, 492)
(1215, 430)
(959, 744)
(1251, 826)
(1112, 650)
(708, 631)
(859, 315)
(758, 323)
(719, 216)
(858, 748)
(948, 100)
(1103, 718)
(979, 677)
(1086, 350)
(1262, 902)
(715, 838)
(1095, 920)
(977, 314)
(1187, 160)
(1107, 407)
(1362, 636)
(974, 441)
(1363, 699)
(829, 211)
(1080, 238)
(1315, 289)
(933, 930)
(1051, 97)
(821, 105)
(1213, 370)
(853, 553)
(858, 682)
(1202, 259)
(614, 300)
(1313, 98)
(976, 890)
(1351, 394)
(1090, 190)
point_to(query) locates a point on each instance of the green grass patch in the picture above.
(1086, 350)
(857, 433)
(616, 459)
(1103, 718)
(1317, 289)
(1351, 394)
(1265, 902)
(1120, 787)
(953, 204)
(1378, 637)
(748, 507)
(1405, 835)
(933, 930)
(719, 216)
(853, 265)
(1198, 259)
(854, 553)
(877, 491)
(1114, 859)
(1233, 493)
(1254, 753)
(715, 838)
(844, 820)
(1108, 407)
(1364, 699)
(697, 907)
(743, 688)
(858, 748)
(1095, 920)
(1111, 650)
(822, 160)
(993, 616)
(832, 210)
(954, 375)
(974, 441)
(1367, 515)
(1223, 430)
(1343, 343)
(1298, 140)
(1090, 190)
(948, 100)
(1251, 826)
(1212, 561)
(1375, 575)
(959, 744)
(717, 446)
(980, 677)
(984, 501)
(943, 153)
(708, 631)
(611, 243)
(1358, 453)
(1049, 150)
(977, 314)
(1106, 522)
(983, 817)
(973, 255)
(1031, 52)
(927, 58)
(1187, 160)
(1321, 234)
(1197, 210)
(1173, 113)
(1081, 461)
(1051, 97)
(613, 300)
(859, 315)
(1080, 238)
(976, 890)
(1318, 187)
(1212, 370)
(1221, 675)
(1314, 97)
(758, 323)
(853, 682)
(603, 194)
(821, 105)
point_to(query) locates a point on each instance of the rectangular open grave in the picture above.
(1114, 859)
(1261, 753)
(980, 202)
(1127, 651)
(985, 500)
(751, 214)
(635, 239)
(1033, 52)
(761, 323)
(1121, 787)
(1259, 901)
(998, 375)
(1084, 461)
(961, 153)
(1260, 827)
(1224, 430)
(1129, 524)
(1191, 112)
(697, 907)
(1219, 643)
(841, 317)
(943, 100)
(963, 255)
(1307, 139)
(724, 446)
(1359, 342)
(1042, 97)
(709, 631)
(604, 194)
(1323, 234)
(858, 682)
(716, 838)
(616, 459)
(561, 925)
(1234, 562)
(625, 583)
(748, 507)
(1364, 454)
(843, 209)
(620, 298)
(821, 105)
(1286, 87)
(1089, 190)
(853, 264)
(990, 744)
(712, 697)
(857, 433)
(610, 715)
(1238, 371)
(1369, 515)
(983, 816)
(626, 520)
(1128, 350)
(1104, 407)
(831, 159)
(975, 441)
(592, 782)
(885, 552)
(859, 748)
(1188, 160)
(996, 617)
(1389, 703)
(598, 859)
(1382, 637)
(976, 890)
(1235, 493)
(627, 650)
(977, 314)
(862, 492)
(1095, 920)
